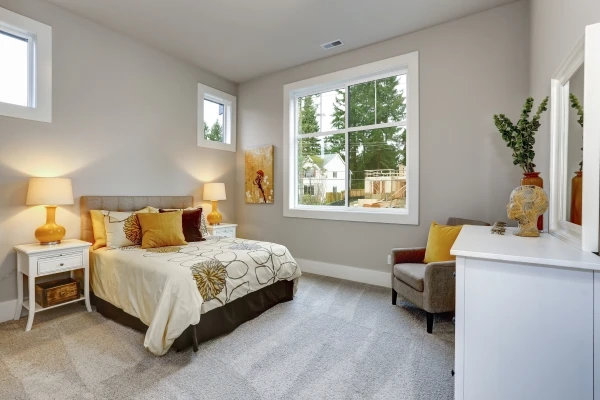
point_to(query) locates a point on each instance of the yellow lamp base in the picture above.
(215, 217)
(50, 232)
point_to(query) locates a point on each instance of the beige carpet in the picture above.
(336, 340)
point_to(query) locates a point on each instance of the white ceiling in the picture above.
(243, 39)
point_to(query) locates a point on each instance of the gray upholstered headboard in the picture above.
(125, 203)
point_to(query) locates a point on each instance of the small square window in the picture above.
(216, 119)
(14, 69)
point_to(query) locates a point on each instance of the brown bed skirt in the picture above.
(216, 322)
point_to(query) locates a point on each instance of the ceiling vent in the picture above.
(331, 45)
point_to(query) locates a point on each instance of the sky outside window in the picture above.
(13, 70)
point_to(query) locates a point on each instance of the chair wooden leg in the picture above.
(429, 322)
(394, 296)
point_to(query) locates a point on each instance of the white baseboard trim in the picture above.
(355, 274)
(7, 310)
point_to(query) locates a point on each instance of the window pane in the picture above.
(378, 102)
(213, 121)
(377, 160)
(391, 100)
(322, 171)
(361, 104)
(322, 112)
(14, 70)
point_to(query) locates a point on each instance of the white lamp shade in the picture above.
(214, 191)
(49, 191)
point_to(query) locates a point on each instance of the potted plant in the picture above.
(577, 181)
(520, 138)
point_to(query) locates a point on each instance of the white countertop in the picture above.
(479, 242)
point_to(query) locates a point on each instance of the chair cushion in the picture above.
(440, 241)
(411, 274)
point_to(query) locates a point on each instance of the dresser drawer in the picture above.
(62, 262)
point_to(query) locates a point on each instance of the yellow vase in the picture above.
(576, 199)
(50, 232)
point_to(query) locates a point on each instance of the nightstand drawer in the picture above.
(229, 232)
(61, 262)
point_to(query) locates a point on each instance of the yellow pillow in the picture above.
(440, 241)
(160, 230)
(99, 228)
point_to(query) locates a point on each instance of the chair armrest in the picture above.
(440, 286)
(409, 255)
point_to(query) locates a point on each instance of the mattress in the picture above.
(169, 288)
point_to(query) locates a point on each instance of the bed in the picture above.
(180, 296)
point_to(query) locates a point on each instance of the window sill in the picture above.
(357, 214)
(216, 145)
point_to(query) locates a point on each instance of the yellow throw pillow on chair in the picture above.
(160, 230)
(440, 241)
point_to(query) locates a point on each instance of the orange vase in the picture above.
(576, 187)
(533, 178)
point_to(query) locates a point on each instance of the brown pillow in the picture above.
(190, 222)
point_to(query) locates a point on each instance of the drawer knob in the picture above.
(62, 293)
(454, 274)
(62, 264)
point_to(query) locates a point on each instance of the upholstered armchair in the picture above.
(430, 287)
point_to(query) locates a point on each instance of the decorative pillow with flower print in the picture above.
(123, 228)
(99, 227)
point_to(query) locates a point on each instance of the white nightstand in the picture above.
(36, 260)
(222, 230)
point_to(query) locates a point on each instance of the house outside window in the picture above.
(364, 123)
(25, 67)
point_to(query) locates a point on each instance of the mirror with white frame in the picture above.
(573, 125)
(575, 155)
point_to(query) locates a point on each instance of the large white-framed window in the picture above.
(216, 119)
(25, 67)
(351, 144)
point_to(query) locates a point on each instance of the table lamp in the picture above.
(214, 192)
(49, 192)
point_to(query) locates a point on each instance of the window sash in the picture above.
(226, 115)
(30, 38)
(346, 131)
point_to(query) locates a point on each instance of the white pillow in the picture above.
(123, 228)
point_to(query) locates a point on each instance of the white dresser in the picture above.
(525, 315)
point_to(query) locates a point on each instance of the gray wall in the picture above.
(556, 26)
(124, 123)
(470, 69)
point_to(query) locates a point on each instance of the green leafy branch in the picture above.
(519, 137)
(577, 106)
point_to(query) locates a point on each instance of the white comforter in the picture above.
(170, 287)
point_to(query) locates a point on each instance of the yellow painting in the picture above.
(259, 175)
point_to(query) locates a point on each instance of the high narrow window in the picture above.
(216, 119)
(25, 67)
